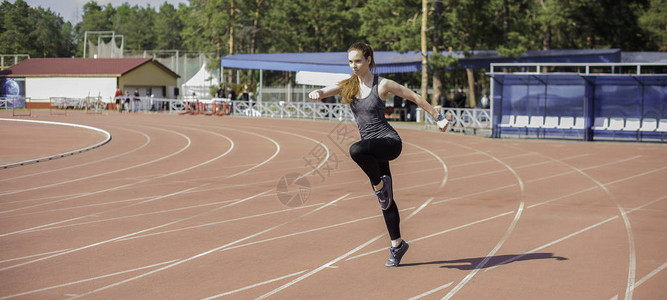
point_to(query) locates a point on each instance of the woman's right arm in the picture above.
(322, 93)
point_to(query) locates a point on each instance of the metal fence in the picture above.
(12, 102)
(466, 120)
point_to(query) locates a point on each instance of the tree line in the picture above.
(225, 27)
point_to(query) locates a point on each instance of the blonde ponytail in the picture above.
(349, 88)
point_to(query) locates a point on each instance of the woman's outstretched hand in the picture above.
(442, 125)
(315, 95)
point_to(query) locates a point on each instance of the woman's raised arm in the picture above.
(322, 93)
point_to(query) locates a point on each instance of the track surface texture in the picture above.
(201, 207)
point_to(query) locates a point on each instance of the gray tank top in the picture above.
(369, 114)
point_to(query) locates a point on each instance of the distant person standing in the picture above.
(484, 101)
(126, 102)
(459, 98)
(118, 95)
(220, 92)
(231, 95)
(136, 100)
(245, 96)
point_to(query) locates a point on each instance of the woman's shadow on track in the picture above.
(480, 263)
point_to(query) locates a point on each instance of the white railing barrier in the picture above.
(467, 120)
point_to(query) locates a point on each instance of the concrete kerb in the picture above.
(106, 140)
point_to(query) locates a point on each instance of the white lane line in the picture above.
(509, 230)
(649, 275)
(254, 285)
(324, 160)
(330, 263)
(79, 206)
(148, 141)
(573, 234)
(47, 226)
(435, 290)
(510, 212)
(189, 142)
(41, 226)
(137, 215)
(442, 163)
(86, 280)
(134, 183)
(31, 256)
(45, 197)
(255, 166)
(181, 192)
(499, 215)
(584, 169)
(211, 250)
(552, 243)
(221, 222)
(632, 256)
(149, 229)
(635, 176)
(516, 168)
(438, 233)
(30, 161)
(130, 234)
(488, 256)
(320, 268)
(327, 265)
(476, 193)
(507, 234)
(451, 293)
(309, 231)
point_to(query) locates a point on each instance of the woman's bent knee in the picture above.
(356, 151)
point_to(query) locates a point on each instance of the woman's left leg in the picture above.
(391, 217)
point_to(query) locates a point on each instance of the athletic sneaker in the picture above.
(385, 194)
(396, 253)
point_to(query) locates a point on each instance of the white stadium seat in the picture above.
(632, 124)
(662, 127)
(616, 123)
(600, 123)
(536, 122)
(649, 125)
(566, 123)
(550, 122)
(507, 121)
(521, 121)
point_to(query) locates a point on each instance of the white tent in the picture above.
(200, 84)
(319, 78)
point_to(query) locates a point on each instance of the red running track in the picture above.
(186, 207)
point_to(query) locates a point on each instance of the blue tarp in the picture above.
(483, 59)
(331, 62)
(395, 62)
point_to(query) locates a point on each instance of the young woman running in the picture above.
(380, 143)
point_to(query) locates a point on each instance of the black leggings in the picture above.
(373, 156)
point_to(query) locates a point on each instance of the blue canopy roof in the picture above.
(576, 79)
(482, 59)
(331, 62)
(394, 62)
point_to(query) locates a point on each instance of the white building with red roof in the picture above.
(83, 77)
